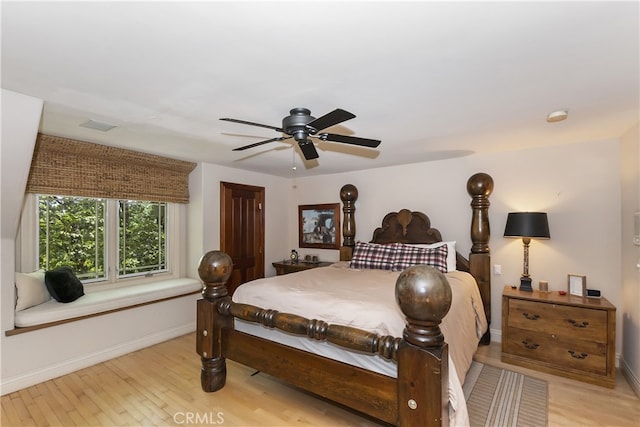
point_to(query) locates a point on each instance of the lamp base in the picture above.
(525, 284)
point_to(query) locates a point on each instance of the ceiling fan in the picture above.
(301, 125)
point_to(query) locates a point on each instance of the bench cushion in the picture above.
(105, 300)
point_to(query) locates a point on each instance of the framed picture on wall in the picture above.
(577, 285)
(319, 226)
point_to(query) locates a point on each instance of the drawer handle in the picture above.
(530, 346)
(531, 316)
(578, 355)
(584, 324)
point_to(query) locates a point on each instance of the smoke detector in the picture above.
(557, 116)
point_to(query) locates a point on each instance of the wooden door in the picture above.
(242, 231)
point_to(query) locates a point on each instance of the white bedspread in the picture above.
(365, 299)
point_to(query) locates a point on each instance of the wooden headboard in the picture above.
(410, 227)
(406, 226)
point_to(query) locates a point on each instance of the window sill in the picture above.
(92, 304)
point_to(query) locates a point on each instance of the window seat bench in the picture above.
(52, 312)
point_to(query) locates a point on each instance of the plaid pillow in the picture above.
(406, 256)
(373, 255)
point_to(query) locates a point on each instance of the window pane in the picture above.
(72, 233)
(142, 237)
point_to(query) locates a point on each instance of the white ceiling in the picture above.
(432, 80)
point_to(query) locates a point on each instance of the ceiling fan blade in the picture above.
(244, 122)
(308, 149)
(354, 140)
(333, 118)
(255, 144)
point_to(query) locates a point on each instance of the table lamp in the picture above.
(527, 225)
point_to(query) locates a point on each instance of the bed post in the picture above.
(479, 187)
(214, 271)
(424, 296)
(348, 195)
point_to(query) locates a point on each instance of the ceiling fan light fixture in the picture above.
(300, 135)
(557, 116)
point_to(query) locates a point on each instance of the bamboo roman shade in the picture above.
(64, 166)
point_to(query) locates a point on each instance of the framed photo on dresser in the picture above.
(577, 285)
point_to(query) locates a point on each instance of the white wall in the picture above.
(20, 121)
(577, 185)
(630, 161)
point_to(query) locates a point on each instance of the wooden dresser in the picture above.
(560, 334)
(286, 267)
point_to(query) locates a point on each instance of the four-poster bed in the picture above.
(418, 392)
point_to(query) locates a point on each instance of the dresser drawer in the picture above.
(561, 321)
(585, 356)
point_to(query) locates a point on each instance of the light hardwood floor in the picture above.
(160, 386)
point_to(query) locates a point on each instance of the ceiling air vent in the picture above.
(101, 126)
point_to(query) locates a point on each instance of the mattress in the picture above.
(365, 299)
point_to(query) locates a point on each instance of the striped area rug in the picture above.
(499, 397)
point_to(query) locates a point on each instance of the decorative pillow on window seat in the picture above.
(63, 285)
(30, 290)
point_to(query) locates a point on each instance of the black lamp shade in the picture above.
(527, 224)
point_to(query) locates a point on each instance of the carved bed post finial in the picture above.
(214, 271)
(424, 296)
(348, 195)
(479, 187)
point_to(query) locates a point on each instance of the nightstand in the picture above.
(286, 267)
(564, 335)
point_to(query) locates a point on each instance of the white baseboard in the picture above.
(496, 335)
(630, 376)
(11, 384)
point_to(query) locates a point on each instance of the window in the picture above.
(72, 232)
(142, 237)
(97, 236)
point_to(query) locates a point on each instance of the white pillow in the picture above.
(451, 252)
(31, 290)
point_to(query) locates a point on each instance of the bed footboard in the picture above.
(419, 395)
